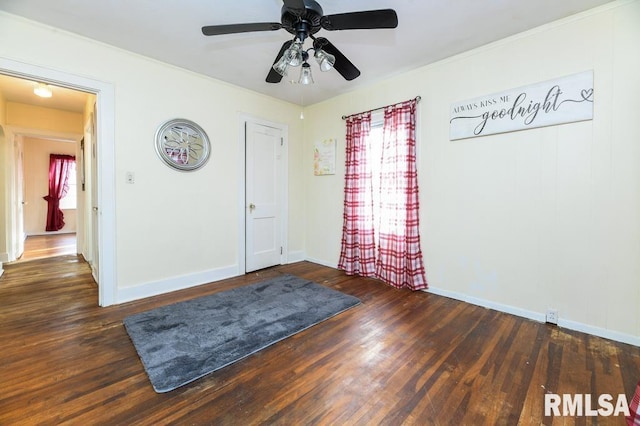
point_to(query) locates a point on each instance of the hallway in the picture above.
(43, 246)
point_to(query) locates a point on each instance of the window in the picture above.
(380, 234)
(375, 142)
(69, 201)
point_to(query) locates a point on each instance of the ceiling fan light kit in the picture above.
(303, 19)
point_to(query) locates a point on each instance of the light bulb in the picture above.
(43, 90)
(305, 74)
(295, 54)
(325, 60)
(283, 63)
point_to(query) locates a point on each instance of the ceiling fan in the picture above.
(303, 19)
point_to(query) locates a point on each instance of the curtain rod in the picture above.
(344, 117)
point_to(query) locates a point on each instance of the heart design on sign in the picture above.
(586, 94)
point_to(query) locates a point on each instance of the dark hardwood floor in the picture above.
(42, 246)
(400, 357)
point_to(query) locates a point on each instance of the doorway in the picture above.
(264, 185)
(41, 120)
(37, 234)
(105, 154)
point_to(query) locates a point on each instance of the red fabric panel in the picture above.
(59, 166)
(357, 254)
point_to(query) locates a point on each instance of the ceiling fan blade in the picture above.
(274, 76)
(366, 20)
(296, 7)
(240, 28)
(342, 65)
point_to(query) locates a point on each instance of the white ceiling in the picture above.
(170, 31)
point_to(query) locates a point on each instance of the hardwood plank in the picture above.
(400, 357)
(48, 245)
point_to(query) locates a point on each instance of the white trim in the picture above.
(39, 234)
(182, 282)
(537, 316)
(322, 262)
(284, 211)
(242, 131)
(105, 100)
(600, 332)
(44, 134)
(488, 304)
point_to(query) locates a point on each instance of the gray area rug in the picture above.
(182, 342)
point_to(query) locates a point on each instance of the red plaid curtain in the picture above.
(633, 419)
(386, 247)
(59, 166)
(357, 255)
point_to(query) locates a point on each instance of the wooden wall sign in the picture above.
(563, 100)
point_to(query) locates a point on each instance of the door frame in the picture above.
(242, 183)
(15, 218)
(105, 121)
(18, 161)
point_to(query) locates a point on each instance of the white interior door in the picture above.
(95, 211)
(263, 196)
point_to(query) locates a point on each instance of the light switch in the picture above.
(131, 178)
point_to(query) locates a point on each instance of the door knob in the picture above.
(251, 207)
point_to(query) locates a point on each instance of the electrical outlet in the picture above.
(130, 177)
(552, 316)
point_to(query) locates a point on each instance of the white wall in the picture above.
(170, 226)
(522, 221)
